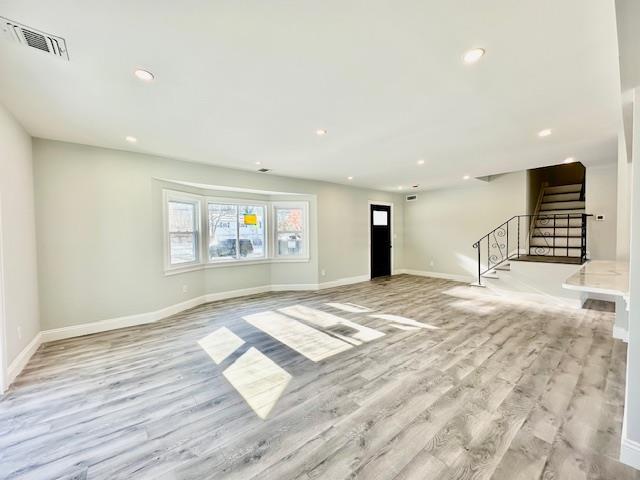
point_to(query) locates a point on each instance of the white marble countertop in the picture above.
(601, 276)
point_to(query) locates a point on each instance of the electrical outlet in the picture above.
(431, 263)
(185, 288)
(19, 332)
(323, 272)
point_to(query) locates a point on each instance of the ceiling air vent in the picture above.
(34, 38)
(411, 198)
(264, 170)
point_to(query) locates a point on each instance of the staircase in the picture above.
(556, 233)
(556, 228)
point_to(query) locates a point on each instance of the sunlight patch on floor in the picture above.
(404, 321)
(312, 343)
(220, 344)
(349, 307)
(473, 306)
(259, 380)
(404, 327)
(338, 326)
(486, 296)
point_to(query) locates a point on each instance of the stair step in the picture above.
(492, 275)
(556, 236)
(574, 242)
(555, 252)
(574, 223)
(550, 213)
(549, 259)
(505, 267)
(561, 197)
(563, 205)
(564, 189)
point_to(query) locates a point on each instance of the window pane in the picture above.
(182, 232)
(289, 244)
(183, 247)
(251, 231)
(223, 230)
(380, 218)
(290, 219)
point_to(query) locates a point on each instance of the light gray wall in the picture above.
(99, 219)
(441, 226)
(623, 214)
(632, 406)
(601, 198)
(18, 242)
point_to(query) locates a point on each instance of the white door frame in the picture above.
(3, 329)
(393, 217)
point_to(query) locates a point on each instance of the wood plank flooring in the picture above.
(487, 388)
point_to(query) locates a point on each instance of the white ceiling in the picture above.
(244, 81)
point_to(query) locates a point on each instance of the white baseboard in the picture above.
(341, 282)
(22, 359)
(621, 334)
(149, 317)
(119, 322)
(242, 292)
(320, 286)
(446, 276)
(630, 452)
(294, 287)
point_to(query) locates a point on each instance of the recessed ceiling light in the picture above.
(544, 133)
(144, 75)
(473, 55)
(399, 187)
(131, 139)
(258, 163)
(349, 178)
(569, 160)
(466, 177)
(320, 132)
(420, 162)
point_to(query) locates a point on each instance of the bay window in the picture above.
(251, 235)
(235, 231)
(183, 232)
(290, 231)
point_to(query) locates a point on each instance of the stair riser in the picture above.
(559, 252)
(561, 197)
(577, 205)
(557, 242)
(559, 232)
(563, 189)
(559, 223)
(559, 214)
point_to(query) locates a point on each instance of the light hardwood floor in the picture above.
(487, 389)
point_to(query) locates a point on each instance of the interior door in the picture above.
(380, 220)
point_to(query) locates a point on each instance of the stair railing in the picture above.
(538, 206)
(513, 238)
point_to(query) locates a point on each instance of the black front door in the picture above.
(380, 220)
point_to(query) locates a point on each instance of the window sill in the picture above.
(232, 263)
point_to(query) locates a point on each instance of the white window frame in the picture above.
(304, 256)
(202, 235)
(182, 197)
(237, 202)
